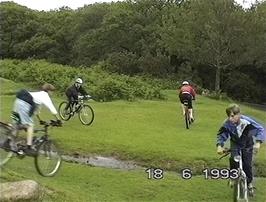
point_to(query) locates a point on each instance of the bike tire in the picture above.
(236, 191)
(5, 154)
(48, 160)
(86, 115)
(240, 191)
(187, 120)
(62, 112)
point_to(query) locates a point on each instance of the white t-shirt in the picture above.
(43, 98)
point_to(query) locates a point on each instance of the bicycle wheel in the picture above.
(63, 113)
(86, 115)
(48, 160)
(240, 191)
(5, 154)
(187, 119)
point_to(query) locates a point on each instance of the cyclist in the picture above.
(187, 92)
(73, 92)
(242, 131)
(29, 103)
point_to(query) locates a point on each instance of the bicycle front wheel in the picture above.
(86, 115)
(240, 191)
(48, 160)
(63, 113)
(5, 154)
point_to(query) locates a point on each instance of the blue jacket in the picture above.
(241, 134)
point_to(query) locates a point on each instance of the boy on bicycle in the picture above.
(27, 104)
(73, 92)
(243, 132)
(187, 93)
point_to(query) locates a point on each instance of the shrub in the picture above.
(100, 84)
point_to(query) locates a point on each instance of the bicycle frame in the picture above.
(240, 190)
(45, 151)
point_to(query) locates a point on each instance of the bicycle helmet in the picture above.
(185, 83)
(79, 81)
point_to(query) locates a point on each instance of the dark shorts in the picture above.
(185, 97)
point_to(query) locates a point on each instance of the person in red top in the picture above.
(187, 93)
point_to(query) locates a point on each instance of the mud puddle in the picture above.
(100, 161)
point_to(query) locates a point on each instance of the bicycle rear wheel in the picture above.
(5, 154)
(86, 115)
(48, 160)
(63, 113)
(187, 119)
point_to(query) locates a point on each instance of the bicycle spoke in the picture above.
(5, 154)
(63, 113)
(48, 159)
(86, 115)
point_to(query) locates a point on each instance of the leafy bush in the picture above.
(100, 84)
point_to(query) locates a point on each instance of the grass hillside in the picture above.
(151, 133)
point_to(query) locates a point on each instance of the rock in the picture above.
(26, 190)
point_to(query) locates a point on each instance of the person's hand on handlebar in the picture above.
(220, 150)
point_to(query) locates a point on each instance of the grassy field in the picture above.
(151, 133)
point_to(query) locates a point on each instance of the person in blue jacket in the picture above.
(245, 134)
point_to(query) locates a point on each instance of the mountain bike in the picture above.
(85, 111)
(240, 183)
(47, 159)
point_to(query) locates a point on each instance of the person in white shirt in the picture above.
(28, 103)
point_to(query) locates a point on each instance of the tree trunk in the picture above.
(218, 78)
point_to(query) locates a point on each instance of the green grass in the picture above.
(151, 133)
(83, 183)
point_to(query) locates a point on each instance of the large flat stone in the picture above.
(26, 190)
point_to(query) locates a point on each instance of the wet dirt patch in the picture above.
(100, 161)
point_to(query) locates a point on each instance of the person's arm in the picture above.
(222, 136)
(259, 133)
(193, 93)
(49, 104)
(83, 91)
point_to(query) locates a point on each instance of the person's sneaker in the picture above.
(251, 190)
(30, 151)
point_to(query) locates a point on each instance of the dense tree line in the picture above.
(215, 43)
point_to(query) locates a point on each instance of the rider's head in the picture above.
(233, 113)
(47, 87)
(78, 82)
(185, 83)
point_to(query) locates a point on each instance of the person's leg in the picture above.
(29, 136)
(182, 104)
(247, 164)
(23, 109)
(190, 109)
(69, 103)
(183, 109)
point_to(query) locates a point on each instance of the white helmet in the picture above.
(79, 80)
(185, 83)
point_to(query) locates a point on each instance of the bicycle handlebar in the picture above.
(84, 97)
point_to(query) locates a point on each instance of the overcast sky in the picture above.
(54, 4)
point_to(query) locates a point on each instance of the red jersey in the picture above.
(188, 89)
